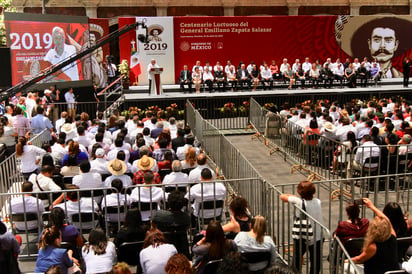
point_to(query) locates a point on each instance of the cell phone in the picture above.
(358, 202)
(227, 215)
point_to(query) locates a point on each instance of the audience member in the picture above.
(98, 253)
(132, 230)
(9, 250)
(177, 176)
(195, 174)
(118, 168)
(240, 220)
(156, 252)
(179, 264)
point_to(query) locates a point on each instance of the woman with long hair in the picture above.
(256, 240)
(165, 134)
(74, 149)
(353, 227)
(396, 216)
(132, 230)
(50, 252)
(213, 246)
(156, 252)
(306, 191)
(343, 153)
(190, 158)
(98, 253)
(69, 233)
(7, 136)
(379, 248)
(197, 79)
(240, 219)
(29, 157)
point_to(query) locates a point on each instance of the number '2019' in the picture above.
(155, 46)
(29, 40)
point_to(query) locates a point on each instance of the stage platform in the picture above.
(140, 93)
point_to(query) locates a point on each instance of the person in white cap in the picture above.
(99, 165)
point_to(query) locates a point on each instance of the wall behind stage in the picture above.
(267, 38)
(254, 39)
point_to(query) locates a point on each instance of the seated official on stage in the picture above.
(339, 73)
(363, 75)
(231, 77)
(243, 76)
(208, 79)
(219, 77)
(314, 76)
(375, 73)
(326, 75)
(274, 69)
(350, 75)
(266, 77)
(254, 77)
(289, 76)
(197, 78)
(300, 75)
(185, 79)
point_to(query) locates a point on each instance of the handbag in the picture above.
(302, 227)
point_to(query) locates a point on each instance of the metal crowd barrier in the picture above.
(10, 174)
(109, 218)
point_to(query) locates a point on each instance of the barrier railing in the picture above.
(143, 197)
(10, 173)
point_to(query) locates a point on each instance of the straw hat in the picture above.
(117, 167)
(329, 126)
(157, 27)
(145, 163)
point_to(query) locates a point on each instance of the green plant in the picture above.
(5, 5)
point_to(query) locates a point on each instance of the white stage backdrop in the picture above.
(160, 48)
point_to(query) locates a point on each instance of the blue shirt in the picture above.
(53, 256)
(39, 123)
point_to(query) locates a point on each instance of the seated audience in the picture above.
(195, 174)
(87, 179)
(99, 165)
(177, 176)
(98, 253)
(118, 169)
(69, 233)
(26, 203)
(75, 203)
(156, 252)
(213, 246)
(380, 241)
(190, 159)
(145, 164)
(255, 240)
(132, 230)
(50, 253)
(74, 149)
(116, 198)
(9, 250)
(178, 263)
(71, 167)
(240, 219)
(353, 227)
(121, 268)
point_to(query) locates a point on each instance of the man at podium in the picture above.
(149, 72)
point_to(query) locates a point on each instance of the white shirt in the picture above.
(147, 195)
(211, 191)
(58, 152)
(283, 68)
(46, 183)
(30, 104)
(99, 263)
(70, 99)
(86, 205)
(194, 175)
(342, 132)
(59, 123)
(149, 141)
(88, 180)
(176, 177)
(200, 68)
(295, 67)
(340, 71)
(28, 158)
(154, 259)
(266, 73)
(149, 67)
(99, 165)
(115, 199)
(306, 66)
(113, 154)
(69, 51)
(126, 180)
(367, 150)
(83, 140)
(208, 76)
(181, 151)
(30, 204)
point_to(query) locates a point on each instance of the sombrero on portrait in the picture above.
(352, 33)
(157, 27)
(96, 30)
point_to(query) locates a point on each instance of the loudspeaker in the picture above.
(5, 61)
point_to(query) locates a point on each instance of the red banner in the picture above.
(30, 46)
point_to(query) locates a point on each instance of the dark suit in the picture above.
(243, 81)
(185, 81)
(220, 80)
(179, 141)
(154, 133)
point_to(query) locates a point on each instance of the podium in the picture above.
(156, 86)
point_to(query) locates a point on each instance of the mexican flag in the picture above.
(134, 60)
